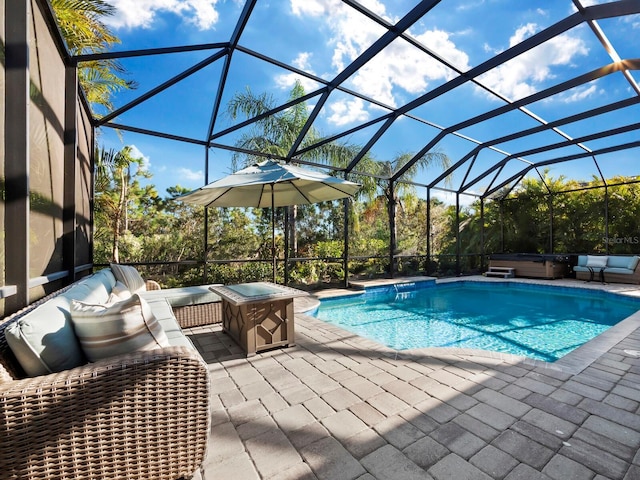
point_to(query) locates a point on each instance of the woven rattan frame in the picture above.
(139, 416)
(197, 315)
(152, 285)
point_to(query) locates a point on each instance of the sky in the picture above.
(322, 37)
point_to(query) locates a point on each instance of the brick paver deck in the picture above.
(339, 407)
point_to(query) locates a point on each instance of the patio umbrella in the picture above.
(270, 184)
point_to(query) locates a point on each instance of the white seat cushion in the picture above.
(184, 296)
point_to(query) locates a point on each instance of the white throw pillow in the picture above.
(596, 261)
(119, 292)
(129, 276)
(117, 328)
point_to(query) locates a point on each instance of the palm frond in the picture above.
(83, 30)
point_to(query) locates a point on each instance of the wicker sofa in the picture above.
(143, 414)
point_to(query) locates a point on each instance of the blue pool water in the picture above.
(535, 321)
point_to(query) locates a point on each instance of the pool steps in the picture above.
(504, 272)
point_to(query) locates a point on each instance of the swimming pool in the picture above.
(536, 321)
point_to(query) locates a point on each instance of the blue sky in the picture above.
(324, 36)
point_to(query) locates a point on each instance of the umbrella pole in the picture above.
(273, 234)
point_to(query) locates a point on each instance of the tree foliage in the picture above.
(558, 215)
(82, 27)
(118, 193)
(153, 228)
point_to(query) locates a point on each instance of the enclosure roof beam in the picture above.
(609, 48)
(333, 138)
(154, 133)
(582, 79)
(372, 141)
(380, 44)
(602, 151)
(90, 57)
(235, 38)
(590, 13)
(534, 130)
(315, 78)
(595, 136)
(241, 24)
(160, 88)
(266, 114)
(543, 94)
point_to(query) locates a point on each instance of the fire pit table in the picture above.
(258, 316)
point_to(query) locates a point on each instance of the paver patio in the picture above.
(338, 406)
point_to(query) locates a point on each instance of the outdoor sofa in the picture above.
(608, 268)
(134, 414)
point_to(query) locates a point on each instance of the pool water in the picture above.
(541, 322)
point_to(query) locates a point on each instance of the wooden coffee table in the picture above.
(258, 316)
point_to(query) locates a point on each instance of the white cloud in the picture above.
(633, 20)
(141, 13)
(314, 8)
(578, 94)
(522, 33)
(449, 198)
(585, 3)
(190, 175)
(287, 80)
(205, 13)
(400, 67)
(302, 60)
(470, 5)
(523, 75)
(136, 153)
(465, 32)
(348, 111)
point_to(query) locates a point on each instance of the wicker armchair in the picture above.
(152, 285)
(138, 416)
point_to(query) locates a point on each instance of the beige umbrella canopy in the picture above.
(270, 184)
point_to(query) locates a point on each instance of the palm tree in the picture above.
(275, 134)
(394, 191)
(81, 25)
(113, 185)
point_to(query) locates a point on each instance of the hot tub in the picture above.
(532, 265)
